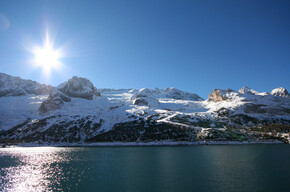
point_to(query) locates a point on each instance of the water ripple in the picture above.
(32, 169)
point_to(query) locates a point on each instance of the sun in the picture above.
(47, 57)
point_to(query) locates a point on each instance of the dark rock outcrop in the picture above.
(144, 98)
(54, 101)
(79, 87)
(140, 101)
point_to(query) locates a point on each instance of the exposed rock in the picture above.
(97, 93)
(141, 101)
(281, 91)
(178, 94)
(15, 86)
(243, 116)
(56, 93)
(218, 95)
(74, 87)
(50, 104)
(150, 96)
(79, 87)
(144, 98)
(55, 100)
(247, 90)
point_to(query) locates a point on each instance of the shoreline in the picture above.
(133, 144)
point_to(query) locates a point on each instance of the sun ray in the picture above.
(47, 57)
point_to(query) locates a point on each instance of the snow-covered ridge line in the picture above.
(15, 86)
(76, 111)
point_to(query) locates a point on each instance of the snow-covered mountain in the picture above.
(247, 90)
(15, 86)
(281, 91)
(76, 112)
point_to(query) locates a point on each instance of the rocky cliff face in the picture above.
(75, 87)
(79, 87)
(54, 101)
(15, 86)
(219, 95)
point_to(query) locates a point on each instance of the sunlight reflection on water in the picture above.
(215, 168)
(36, 169)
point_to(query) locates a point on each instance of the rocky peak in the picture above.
(281, 91)
(247, 90)
(219, 95)
(79, 87)
(74, 87)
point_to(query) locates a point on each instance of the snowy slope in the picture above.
(16, 110)
(136, 114)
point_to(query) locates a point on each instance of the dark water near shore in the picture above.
(179, 168)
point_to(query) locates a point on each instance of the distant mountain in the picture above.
(281, 91)
(247, 90)
(15, 86)
(76, 112)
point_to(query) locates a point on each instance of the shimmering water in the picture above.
(182, 168)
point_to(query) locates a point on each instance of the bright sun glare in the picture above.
(46, 57)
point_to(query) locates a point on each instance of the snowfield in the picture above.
(115, 106)
(17, 109)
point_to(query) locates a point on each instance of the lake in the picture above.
(259, 167)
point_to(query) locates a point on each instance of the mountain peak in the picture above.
(281, 91)
(247, 90)
(78, 87)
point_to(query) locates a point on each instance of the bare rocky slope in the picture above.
(76, 112)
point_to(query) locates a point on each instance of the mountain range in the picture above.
(76, 112)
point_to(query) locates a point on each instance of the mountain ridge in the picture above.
(77, 112)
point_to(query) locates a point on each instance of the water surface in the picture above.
(178, 168)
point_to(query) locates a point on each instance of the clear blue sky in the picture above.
(194, 45)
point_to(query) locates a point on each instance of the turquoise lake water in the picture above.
(159, 168)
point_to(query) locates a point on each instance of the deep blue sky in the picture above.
(194, 45)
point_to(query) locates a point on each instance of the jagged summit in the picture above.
(15, 86)
(221, 95)
(281, 91)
